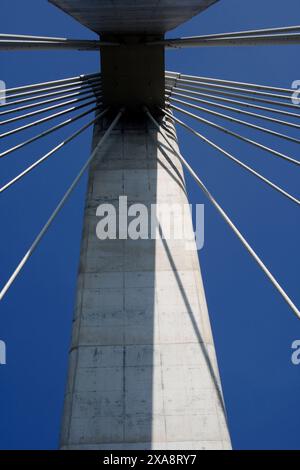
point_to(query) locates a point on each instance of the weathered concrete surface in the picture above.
(124, 16)
(143, 371)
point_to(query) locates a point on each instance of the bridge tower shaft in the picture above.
(143, 372)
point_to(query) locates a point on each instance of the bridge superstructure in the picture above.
(143, 372)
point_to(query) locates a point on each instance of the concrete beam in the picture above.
(128, 16)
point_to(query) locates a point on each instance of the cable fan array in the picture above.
(82, 92)
(184, 92)
(191, 96)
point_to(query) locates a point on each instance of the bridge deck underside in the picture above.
(145, 17)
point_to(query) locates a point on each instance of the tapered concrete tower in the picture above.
(143, 372)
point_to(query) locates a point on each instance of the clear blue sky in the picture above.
(253, 327)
